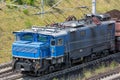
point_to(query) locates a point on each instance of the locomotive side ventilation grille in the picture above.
(25, 49)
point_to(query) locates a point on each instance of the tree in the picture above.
(50, 2)
(20, 2)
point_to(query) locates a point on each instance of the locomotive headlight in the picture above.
(16, 58)
(33, 60)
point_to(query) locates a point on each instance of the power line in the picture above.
(55, 5)
(42, 9)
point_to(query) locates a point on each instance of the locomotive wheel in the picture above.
(39, 73)
(112, 52)
(93, 56)
(106, 52)
(51, 69)
(31, 73)
(87, 59)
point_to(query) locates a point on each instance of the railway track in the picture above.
(109, 75)
(5, 70)
(80, 67)
(8, 74)
(113, 77)
(117, 78)
(4, 65)
(11, 76)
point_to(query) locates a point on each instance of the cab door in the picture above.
(60, 47)
(57, 47)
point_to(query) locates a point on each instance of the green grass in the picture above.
(13, 19)
(101, 69)
(89, 72)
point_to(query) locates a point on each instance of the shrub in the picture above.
(25, 11)
(28, 24)
(28, 2)
(50, 2)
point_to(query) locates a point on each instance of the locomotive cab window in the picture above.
(110, 26)
(27, 37)
(17, 37)
(60, 42)
(42, 38)
(53, 42)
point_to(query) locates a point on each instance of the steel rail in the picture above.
(4, 65)
(117, 78)
(11, 75)
(105, 74)
(50, 76)
(78, 67)
(5, 70)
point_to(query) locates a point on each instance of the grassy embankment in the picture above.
(12, 19)
(89, 72)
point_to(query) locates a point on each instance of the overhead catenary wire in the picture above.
(72, 9)
(54, 14)
(55, 5)
(49, 8)
(61, 11)
(63, 14)
(48, 11)
(57, 9)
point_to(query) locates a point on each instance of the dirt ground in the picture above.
(114, 14)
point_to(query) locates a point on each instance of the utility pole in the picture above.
(42, 8)
(93, 6)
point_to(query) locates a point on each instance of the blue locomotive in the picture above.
(46, 49)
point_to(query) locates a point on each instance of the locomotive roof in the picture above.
(62, 28)
(46, 31)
